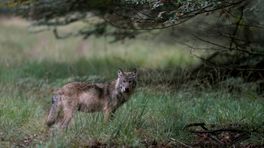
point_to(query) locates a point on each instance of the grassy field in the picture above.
(32, 65)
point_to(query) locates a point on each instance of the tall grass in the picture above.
(32, 65)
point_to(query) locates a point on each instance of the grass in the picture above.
(31, 65)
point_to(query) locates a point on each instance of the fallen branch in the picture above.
(230, 136)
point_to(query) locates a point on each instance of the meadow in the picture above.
(33, 64)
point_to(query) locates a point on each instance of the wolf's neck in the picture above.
(116, 82)
(115, 88)
(116, 93)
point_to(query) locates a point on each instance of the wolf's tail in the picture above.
(54, 111)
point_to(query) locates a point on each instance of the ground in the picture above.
(33, 64)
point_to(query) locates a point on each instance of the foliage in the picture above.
(123, 19)
(127, 17)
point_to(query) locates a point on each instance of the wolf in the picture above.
(86, 97)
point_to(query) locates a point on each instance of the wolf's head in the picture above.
(126, 81)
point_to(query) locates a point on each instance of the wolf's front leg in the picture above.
(108, 115)
(67, 116)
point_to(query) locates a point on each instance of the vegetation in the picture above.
(126, 18)
(220, 84)
(31, 65)
(237, 29)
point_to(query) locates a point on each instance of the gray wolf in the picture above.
(85, 97)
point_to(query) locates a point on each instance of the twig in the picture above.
(224, 47)
(212, 133)
(183, 144)
(236, 28)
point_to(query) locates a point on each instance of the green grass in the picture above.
(32, 65)
(147, 116)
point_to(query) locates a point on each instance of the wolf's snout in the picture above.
(126, 90)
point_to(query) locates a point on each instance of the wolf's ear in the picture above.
(135, 73)
(120, 72)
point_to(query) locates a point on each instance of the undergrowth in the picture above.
(32, 65)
